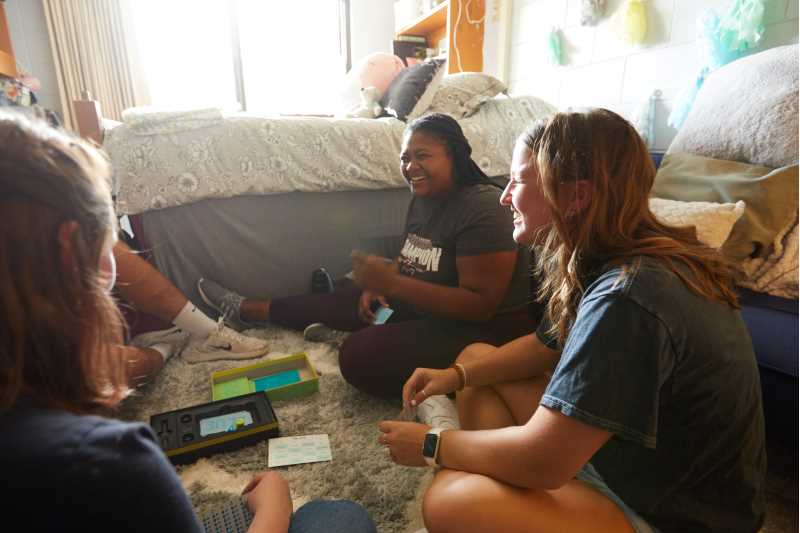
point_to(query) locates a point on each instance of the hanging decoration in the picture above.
(721, 40)
(592, 11)
(554, 49)
(728, 38)
(631, 24)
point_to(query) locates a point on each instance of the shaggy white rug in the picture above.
(360, 470)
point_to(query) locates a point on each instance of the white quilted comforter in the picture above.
(169, 159)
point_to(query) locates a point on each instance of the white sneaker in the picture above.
(225, 343)
(438, 412)
(172, 336)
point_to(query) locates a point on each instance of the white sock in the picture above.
(194, 322)
(166, 350)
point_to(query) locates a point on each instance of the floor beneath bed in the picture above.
(361, 469)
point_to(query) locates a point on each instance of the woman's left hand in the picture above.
(404, 441)
(373, 273)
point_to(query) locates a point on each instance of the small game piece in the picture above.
(382, 314)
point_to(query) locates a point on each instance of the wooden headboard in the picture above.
(8, 65)
(88, 118)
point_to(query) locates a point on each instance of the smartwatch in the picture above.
(430, 446)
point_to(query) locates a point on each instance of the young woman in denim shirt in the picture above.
(636, 405)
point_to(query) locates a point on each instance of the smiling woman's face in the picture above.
(426, 165)
(523, 195)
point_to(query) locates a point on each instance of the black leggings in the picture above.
(379, 359)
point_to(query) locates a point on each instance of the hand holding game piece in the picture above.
(372, 272)
(366, 305)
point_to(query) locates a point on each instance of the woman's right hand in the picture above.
(427, 382)
(365, 303)
(269, 499)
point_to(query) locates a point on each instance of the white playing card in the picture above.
(299, 449)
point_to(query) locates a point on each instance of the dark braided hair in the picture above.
(449, 132)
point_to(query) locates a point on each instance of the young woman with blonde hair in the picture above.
(636, 405)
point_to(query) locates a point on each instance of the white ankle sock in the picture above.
(193, 321)
(166, 350)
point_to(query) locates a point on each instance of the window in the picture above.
(265, 56)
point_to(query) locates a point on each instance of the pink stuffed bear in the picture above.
(376, 70)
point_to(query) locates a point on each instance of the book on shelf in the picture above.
(412, 38)
(406, 50)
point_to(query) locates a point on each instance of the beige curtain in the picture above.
(93, 48)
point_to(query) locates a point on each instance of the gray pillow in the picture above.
(461, 95)
(746, 111)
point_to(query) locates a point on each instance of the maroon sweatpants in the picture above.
(379, 359)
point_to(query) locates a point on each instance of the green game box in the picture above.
(281, 379)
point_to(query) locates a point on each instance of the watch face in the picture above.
(429, 446)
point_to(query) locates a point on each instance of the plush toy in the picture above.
(378, 70)
(375, 70)
(370, 104)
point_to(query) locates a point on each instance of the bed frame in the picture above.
(88, 118)
(260, 245)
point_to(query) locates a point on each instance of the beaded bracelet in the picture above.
(462, 375)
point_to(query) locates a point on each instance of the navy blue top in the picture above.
(673, 376)
(64, 472)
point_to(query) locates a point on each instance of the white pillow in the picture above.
(461, 94)
(712, 221)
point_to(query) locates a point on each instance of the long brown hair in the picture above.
(617, 227)
(59, 324)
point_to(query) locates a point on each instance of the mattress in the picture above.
(176, 159)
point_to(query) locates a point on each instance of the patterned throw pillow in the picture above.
(410, 93)
(712, 221)
(461, 94)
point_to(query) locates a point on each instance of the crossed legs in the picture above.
(463, 502)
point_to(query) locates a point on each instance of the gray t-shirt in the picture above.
(673, 376)
(470, 221)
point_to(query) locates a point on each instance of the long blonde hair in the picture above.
(617, 226)
(59, 323)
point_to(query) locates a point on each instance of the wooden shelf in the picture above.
(8, 65)
(440, 23)
(427, 23)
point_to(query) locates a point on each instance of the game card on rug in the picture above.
(299, 449)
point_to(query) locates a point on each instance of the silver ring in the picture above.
(424, 393)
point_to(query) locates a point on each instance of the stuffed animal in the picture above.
(375, 70)
(370, 104)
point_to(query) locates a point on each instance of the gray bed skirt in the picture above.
(268, 246)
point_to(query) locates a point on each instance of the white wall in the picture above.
(600, 70)
(28, 29)
(371, 27)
